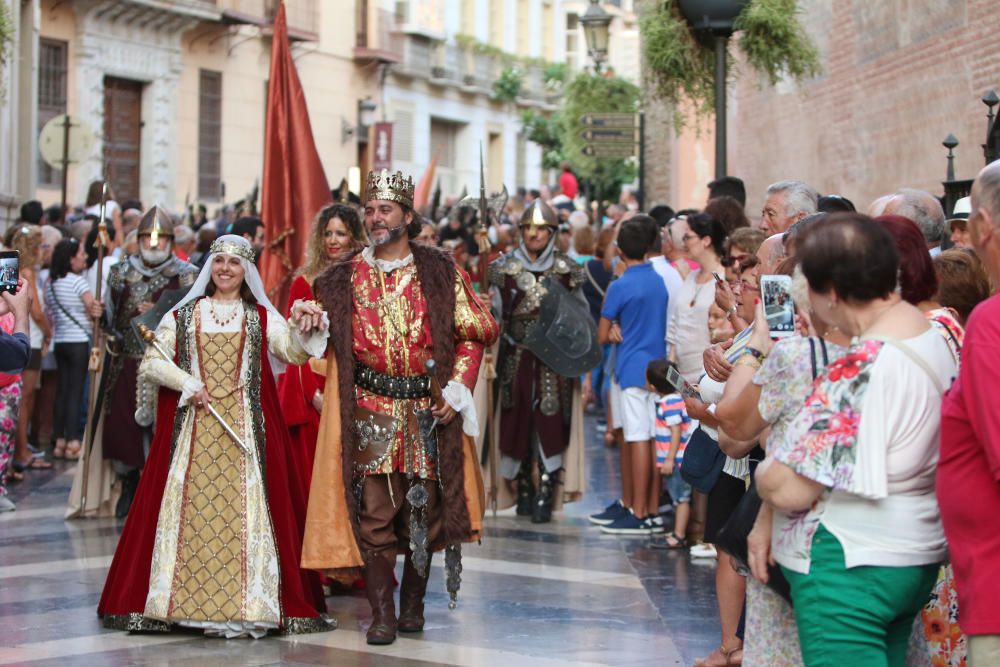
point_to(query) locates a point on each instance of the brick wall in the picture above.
(899, 75)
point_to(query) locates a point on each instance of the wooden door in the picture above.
(122, 135)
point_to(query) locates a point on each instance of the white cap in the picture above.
(963, 207)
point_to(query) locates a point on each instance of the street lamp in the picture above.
(716, 18)
(596, 23)
(366, 118)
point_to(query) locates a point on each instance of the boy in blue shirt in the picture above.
(637, 301)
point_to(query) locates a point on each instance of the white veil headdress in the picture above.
(239, 247)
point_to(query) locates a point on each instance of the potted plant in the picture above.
(680, 38)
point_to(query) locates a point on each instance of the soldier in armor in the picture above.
(535, 402)
(134, 285)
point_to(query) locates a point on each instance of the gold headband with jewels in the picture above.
(235, 249)
(389, 187)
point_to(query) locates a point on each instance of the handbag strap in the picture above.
(914, 357)
(52, 291)
(590, 277)
(812, 355)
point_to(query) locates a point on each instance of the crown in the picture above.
(390, 187)
(236, 249)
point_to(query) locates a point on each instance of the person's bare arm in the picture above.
(784, 489)
(737, 409)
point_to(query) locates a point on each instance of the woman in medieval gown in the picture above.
(214, 537)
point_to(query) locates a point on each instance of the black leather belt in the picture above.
(391, 386)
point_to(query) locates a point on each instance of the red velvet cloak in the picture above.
(127, 585)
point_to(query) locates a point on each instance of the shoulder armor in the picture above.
(500, 268)
(116, 276)
(562, 264)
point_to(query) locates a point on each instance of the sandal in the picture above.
(668, 541)
(73, 451)
(725, 654)
(34, 463)
(59, 450)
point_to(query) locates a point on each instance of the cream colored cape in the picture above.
(103, 486)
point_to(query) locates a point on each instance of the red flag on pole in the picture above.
(295, 187)
(422, 195)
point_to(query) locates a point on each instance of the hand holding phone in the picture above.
(779, 309)
(9, 270)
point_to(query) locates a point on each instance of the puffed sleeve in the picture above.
(475, 329)
(154, 369)
(292, 347)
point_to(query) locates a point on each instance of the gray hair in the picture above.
(799, 197)
(986, 190)
(183, 234)
(921, 207)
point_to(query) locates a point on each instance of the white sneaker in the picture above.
(703, 550)
(6, 504)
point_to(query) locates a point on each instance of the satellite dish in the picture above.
(50, 141)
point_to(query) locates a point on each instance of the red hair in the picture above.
(917, 279)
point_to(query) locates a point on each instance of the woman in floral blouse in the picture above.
(857, 463)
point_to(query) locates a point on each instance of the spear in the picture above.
(96, 351)
(489, 369)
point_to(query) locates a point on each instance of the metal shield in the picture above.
(565, 337)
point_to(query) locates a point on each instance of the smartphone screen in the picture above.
(9, 270)
(778, 305)
(680, 384)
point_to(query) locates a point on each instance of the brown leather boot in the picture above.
(379, 583)
(411, 596)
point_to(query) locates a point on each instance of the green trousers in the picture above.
(860, 616)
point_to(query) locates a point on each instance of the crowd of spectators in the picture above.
(845, 478)
(849, 521)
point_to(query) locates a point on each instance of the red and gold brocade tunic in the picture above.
(391, 334)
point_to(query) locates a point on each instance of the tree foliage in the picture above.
(547, 132)
(597, 94)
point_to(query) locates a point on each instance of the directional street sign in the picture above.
(610, 120)
(619, 151)
(624, 135)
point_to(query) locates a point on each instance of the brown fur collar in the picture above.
(436, 273)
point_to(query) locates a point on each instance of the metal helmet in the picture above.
(154, 224)
(539, 214)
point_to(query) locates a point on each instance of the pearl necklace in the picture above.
(229, 318)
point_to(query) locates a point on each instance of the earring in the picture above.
(831, 304)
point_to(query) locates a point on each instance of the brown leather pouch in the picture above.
(373, 436)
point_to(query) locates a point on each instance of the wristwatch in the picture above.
(755, 353)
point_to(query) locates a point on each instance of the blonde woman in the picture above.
(27, 239)
(336, 232)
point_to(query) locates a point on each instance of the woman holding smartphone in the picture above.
(71, 305)
(27, 240)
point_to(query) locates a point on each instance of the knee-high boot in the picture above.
(411, 596)
(379, 583)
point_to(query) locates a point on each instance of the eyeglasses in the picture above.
(687, 237)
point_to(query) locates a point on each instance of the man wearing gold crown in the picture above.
(537, 405)
(393, 472)
(135, 284)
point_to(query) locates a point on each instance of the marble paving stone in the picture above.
(549, 595)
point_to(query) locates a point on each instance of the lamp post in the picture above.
(716, 18)
(596, 29)
(366, 118)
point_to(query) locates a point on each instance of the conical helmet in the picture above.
(154, 224)
(539, 214)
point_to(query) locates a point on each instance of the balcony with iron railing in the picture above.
(302, 15)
